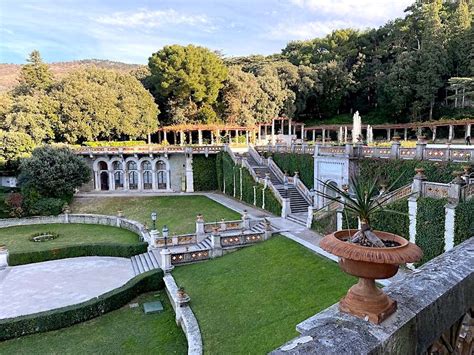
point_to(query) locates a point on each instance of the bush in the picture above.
(46, 206)
(303, 163)
(14, 202)
(464, 222)
(53, 172)
(326, 223)
(74, 251)
(70, 315)
(391, 222)
(430, 219)
(391, 169)
(204, 173)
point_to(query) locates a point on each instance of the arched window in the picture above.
(132, 165)
(147, 180)
(118, 179)
(146, 165)
(329, 191)
(160, 165)
(162, 175)
(133, 179)
(104, 180)
(117, 165)
(103, 165)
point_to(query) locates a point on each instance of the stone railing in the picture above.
(435, 189)
(242, 239)
(430, 302)
(149, 149)
(468, 191)
(376, 152)
(397, 194)
(275, 169)
(182, 239)
(257, 157)
(303, 190)
(189, 257)
(113, 221)
(184, 317)
(223, 225)
(331, 150)
(407, 153)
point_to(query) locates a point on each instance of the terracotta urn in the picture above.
(365, 299)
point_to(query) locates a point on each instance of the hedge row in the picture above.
(302, 163)
(430, 220)
(464, 221)
(205, 173)
(74, 251)
(70, 315)
(393, 222)
(391, 169)
(232, 176)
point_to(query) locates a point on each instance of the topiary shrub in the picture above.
(70, 315)
(464, 221)
(430, 220)
(205, 173)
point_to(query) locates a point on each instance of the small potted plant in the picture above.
(367, 253)
(183, 297)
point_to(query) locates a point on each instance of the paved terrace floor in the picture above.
(38, 287)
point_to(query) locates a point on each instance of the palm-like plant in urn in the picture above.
(364, 252)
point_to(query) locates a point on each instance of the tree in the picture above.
(14, 145)
(458, 44)
(53, 172)
(35, 76)
(186, 74)
(103, 104)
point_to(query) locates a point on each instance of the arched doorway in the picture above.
(162, 175)
(328, 191)
(104, 181)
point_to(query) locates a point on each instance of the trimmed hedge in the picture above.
(391, 169)
(392, 222)
(70, 315)
(464, 222)
(74, 251)
(326, 223)
(228, 173)
(430, 219)
(302, 163)
(205, 173)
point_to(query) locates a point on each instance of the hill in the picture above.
(9, 72)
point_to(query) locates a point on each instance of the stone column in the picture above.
(111, 180)
(468, 130)
(216, 244)
(395, 148)
(412, 208)
(450, 214)
(165, 136)
(190, 137)
(245, 220)
(324, 135)
(140, 179)
(417, 185)
(451, 133)
(434, 134)
(166, 265)
(285, 208)
(289, 127)
(181, 138)
(388, 134)
(405, 134)
(420, 148)
(97, 180)
(189, 173)
(200, 137)
(455, 188)
(309, 218)
(212, 138)
(273, 131)
(314, 135)
(247, 137)
(339, 218)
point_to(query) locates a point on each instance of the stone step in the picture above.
(134, 266)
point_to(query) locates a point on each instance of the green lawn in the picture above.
(124, 331)
(250, 301)
(177, 212)
(17, 238)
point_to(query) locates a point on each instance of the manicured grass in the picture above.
(124, 331)
(250, 301)
(17, 238)
(177, 212)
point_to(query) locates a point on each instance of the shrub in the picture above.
(53, 172)
(464, 221)
(46, 206)
(391, 222)
(70, 315)
(74, 251)
(14, 202)
(204, 173)
(430, 219)
(326, 223)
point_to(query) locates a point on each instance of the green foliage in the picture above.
(464, 221)
(114, 143)
(35, 75)
(390, 169)
(75, 251)
(393, 223)
(326, 223)
(303, 163)
(53, 172)
(99, 103)
(14, 145)
(430, 220)
(46, 206)
(186, 74)
(204, 173)
(69, 315)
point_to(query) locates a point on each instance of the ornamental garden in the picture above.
(295, 203)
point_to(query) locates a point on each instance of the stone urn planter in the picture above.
(365, 299)
(3, 256)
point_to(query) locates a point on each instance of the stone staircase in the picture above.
(259, 227)
(298, 204)
(144, 262)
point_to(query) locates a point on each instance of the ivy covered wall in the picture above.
(205, 173)
(393, 222)
(464, 221)
(302, 163)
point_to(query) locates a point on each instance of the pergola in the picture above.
(195, 133)
(280, 126)
(402, 129)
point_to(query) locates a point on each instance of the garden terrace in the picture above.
(249, 300)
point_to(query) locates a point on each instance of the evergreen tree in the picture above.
(35, 76)
(458, 45)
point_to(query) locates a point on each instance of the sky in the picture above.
(130, 31)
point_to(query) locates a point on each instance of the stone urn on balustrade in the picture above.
(365, 299)
(367, 253)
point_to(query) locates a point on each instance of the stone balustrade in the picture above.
(431, 302)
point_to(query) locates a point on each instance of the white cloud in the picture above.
(152, 19)
(369, 10)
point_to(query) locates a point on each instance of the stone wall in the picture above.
(178, 171)
(184, 317)
(429, 301)
(113, 221)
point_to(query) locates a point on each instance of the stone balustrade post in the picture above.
(285, 208)
(417, 185)
(316, 149)
(223, 225)
(245, 220)
(357, 150)
(349, 149)
(199, 225)
(216, 243)
(309, 218)
(420, 148)
(395, 148)
(166, 265)
(455, 188)
(296, 178)
(155, 237)
(268, 230)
